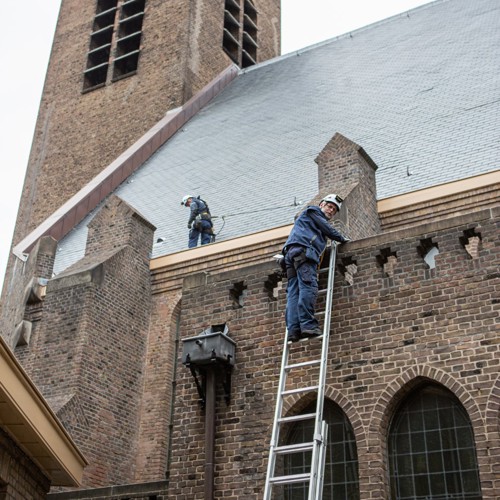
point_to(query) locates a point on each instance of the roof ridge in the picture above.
(347, 34)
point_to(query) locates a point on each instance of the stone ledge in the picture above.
(92, 275)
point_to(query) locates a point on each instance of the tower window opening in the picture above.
(249, 51)
(114, 42)
(104, 19)
(232, 29)
(132, 7)
(240, 32)
(104, 5)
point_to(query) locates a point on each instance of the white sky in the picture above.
(26, 37)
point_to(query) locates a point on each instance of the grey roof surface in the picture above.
(420, 92)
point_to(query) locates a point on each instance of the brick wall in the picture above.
(87, 357)
(399, 323)
(269, 29)
(159, 388)
(20, 478)
(256, 324)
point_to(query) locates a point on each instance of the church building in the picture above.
(158, 365)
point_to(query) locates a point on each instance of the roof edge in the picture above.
(66, 217)
(224, 246)
(438, 191)
(385, 205)
(180, 259)
(348, 34)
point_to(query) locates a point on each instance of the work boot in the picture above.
(293, 336)
(316, 332)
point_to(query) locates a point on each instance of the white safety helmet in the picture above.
(186, 198)
(333, 198)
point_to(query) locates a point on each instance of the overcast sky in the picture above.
(26, 37)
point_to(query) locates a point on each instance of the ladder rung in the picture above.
(302, 389)
(297, 418)
(295, 478)
(322, 292)
(304, 363)
(293, 448)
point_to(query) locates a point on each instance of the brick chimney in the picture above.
(344, 168)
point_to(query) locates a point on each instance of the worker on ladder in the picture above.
(302, 254)
(200, 221)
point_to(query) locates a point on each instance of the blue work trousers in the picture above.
(204, 230)
(302, 292)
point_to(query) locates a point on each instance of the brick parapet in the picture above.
(171, 277)
(450, 206)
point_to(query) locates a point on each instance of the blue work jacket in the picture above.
(311, 229)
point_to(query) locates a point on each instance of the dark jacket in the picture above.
(199, 208)
(311, 229)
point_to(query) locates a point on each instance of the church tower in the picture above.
(116, 68)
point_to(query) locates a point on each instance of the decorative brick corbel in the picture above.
(22, 333)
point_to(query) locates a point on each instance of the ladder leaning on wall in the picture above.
(317, 446)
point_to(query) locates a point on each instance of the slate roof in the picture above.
(418, 91)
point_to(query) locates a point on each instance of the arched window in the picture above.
(431, 449)
(341, 464)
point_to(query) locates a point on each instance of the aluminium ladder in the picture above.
(318, 445)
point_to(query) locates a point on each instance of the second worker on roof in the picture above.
(199, 222)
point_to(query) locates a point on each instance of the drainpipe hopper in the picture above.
(209, 356)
